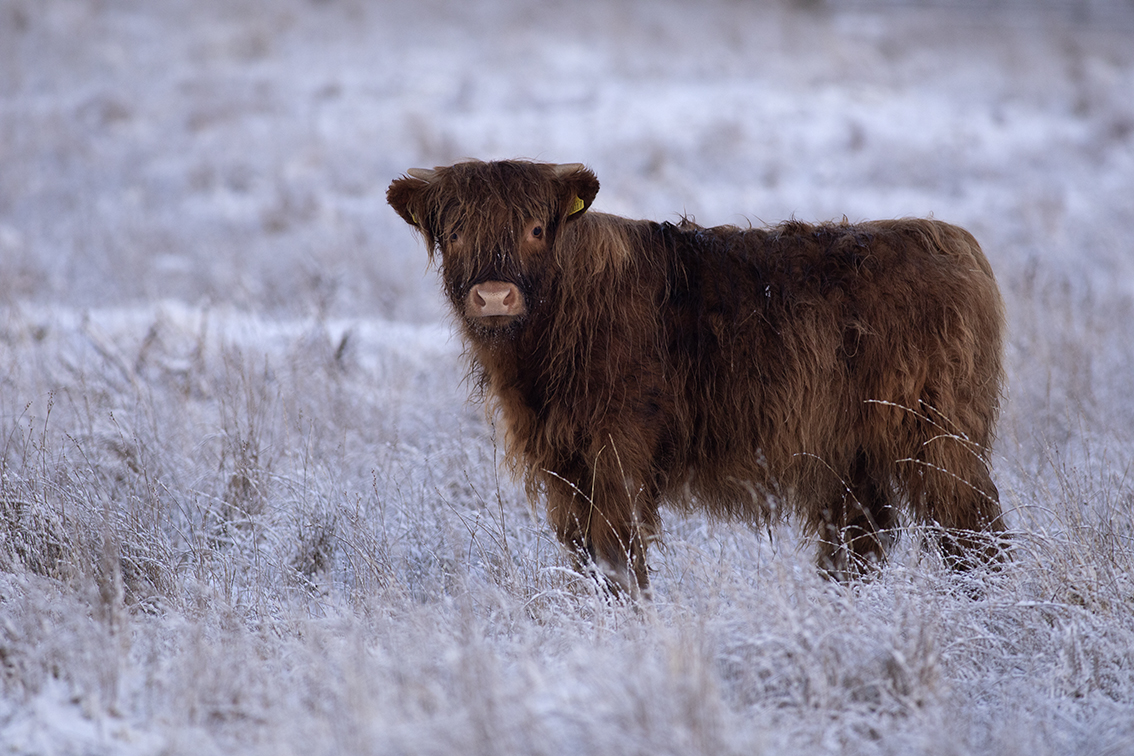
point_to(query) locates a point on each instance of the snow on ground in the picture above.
(245, 507)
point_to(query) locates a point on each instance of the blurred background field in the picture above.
(245, 506)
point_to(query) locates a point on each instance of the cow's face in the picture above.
(495, 225)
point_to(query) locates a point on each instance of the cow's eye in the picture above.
(537, 232)
(453, 237)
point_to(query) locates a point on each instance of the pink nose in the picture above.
(494, 298)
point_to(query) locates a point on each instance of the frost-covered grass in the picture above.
(245, 507)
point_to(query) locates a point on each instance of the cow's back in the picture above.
(804, 346)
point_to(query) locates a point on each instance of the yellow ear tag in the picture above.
(414, 217)
(577, 206)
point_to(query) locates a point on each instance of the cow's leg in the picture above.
(606, 523)
(857, 525)
(964, 502)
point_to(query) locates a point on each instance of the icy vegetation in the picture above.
(246, 508)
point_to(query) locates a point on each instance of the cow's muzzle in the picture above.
(494, 299)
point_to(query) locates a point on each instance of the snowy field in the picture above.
(246, 508)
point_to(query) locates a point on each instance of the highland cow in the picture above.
(838, 372)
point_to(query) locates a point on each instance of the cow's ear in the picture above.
(407, 196)
(579, 186)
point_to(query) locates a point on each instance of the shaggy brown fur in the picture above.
(833, 371)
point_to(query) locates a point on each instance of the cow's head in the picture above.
(495, 225)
